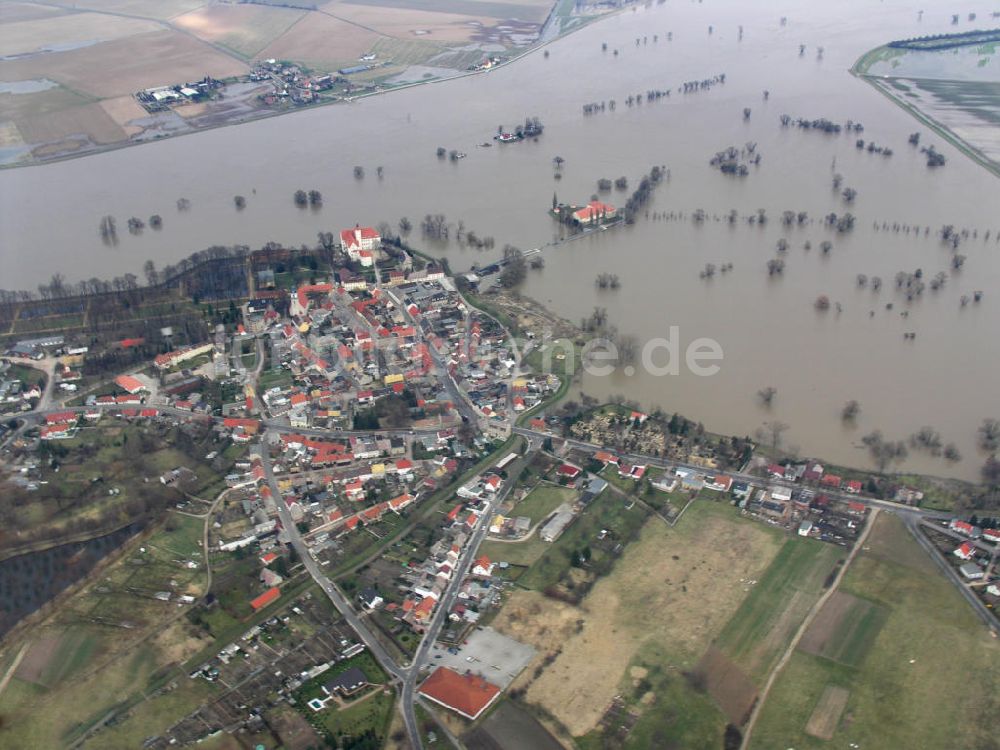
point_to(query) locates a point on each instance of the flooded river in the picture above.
(768, 328)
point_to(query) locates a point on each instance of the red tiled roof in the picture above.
(593, 210)
(349, 237)
(468, 695)
(63, 416)
(128, 383)
(266, 598)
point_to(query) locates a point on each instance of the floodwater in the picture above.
(27, 87)
(768, 328)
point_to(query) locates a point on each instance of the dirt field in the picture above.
(89, 119)
(36, 661)
(403, 22)
(123, 110)
(144, 8)
(675, 586)
(12, 12)
(321, 39)
(534, 10)
(825, 717)
(23, 37)
(728, 685)
(125, 66)
(15, 106)
(245, 29)
(844, 629)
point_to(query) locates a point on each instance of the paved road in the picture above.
(913, 523)
(447, 601)
(898, 508)
(342, 605)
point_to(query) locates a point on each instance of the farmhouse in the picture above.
(568, 471)
(964, 551)
(595, 212)
(719, 483)
(370, 598)
(483, 567)
(963, 527)
(467, 695)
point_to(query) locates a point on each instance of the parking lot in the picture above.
(486, 652)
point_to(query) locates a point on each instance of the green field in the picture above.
(930, 679)
(24, 373)
(776, 605)
(516, 553)
(548, 561)
(370, 715)
(542, 500)
(855, 633)
(608, 511)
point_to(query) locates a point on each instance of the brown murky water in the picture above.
(768, 328)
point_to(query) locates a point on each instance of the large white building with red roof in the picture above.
(595, 212)
(361, 243)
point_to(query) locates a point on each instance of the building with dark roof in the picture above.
(347, 683)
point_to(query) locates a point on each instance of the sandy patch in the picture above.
(176, 643)
(195, 109)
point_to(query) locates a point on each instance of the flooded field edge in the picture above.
(858, 70)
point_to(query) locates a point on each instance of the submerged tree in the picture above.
(850, 411)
